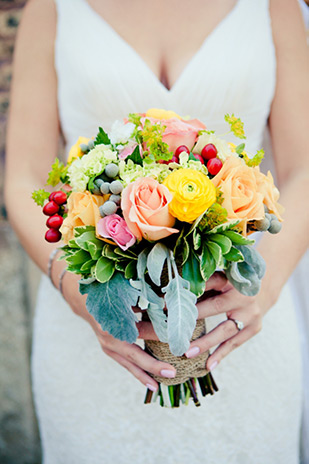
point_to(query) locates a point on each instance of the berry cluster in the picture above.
(208, 156)
(269, 223)
(54, 209)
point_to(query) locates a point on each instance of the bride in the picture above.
(84, 63)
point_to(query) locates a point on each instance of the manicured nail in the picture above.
(151, 387)
(214, 364)
(168, 373)
(193, 352)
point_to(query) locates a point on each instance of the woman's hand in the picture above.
(130, 356)
(236, 306)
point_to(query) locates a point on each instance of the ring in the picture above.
(239, 324)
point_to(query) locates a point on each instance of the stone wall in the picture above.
(19, 440)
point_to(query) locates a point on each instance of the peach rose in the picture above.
(239, 184)
(144, 204)
(270, 193)
(83, 210)
(178, 132)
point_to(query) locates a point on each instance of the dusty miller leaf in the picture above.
(111, 306)
(155, 262)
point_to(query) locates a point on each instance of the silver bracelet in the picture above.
(61, 281)
(50, 264)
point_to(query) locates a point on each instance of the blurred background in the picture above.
(19, 438)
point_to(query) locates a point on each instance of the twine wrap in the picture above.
(186, 368)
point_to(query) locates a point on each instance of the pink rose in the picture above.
(144, 204)
(114, 227)
(178, 132)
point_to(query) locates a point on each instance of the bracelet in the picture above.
(50, 264)
(61, 281)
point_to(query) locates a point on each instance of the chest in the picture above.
(165, 33)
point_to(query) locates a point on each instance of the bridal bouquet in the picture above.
(147, 214)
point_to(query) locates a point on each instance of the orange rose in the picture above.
(83, 210)
(144, 204)
(270, 193)
(239, 184)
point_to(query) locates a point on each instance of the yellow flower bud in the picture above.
(161, 114)
(75, 151)
(193, 193)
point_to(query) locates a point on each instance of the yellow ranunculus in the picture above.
(193, 194)
(83, 210)
(75, 151)
(161, 114)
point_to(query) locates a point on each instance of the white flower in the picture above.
(121, 132)
(224, 150)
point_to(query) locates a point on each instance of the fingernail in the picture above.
(214, 364)
(168, 373)
(151, 387)
(193, 352)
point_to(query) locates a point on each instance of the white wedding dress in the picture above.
(90, 409)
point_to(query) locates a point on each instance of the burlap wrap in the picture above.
(186, 368)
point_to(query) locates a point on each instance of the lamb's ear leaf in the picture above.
(111, 306)
(244, 278)
(155, 262)
(253, 257)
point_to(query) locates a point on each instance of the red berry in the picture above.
(214, 165)
(54, 221)
(52, 235)
(198, 157)
(209, 151)
(51, 196)
(163, 162)
(60, 197)
(50, 208)
(180, 149)
(174, 159)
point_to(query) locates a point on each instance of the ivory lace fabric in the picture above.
(90, 409)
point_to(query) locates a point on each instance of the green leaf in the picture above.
(78, 258)
(72, 244)
(40, 196)
(104, 269)
(223, 242)
(86, 267)
(207, 263)
(237, 239)
(234, 255)
(215, 250)
(192, 157)
(130, 270)
(80, 230)
(111, 304)
(182, 247)
(191, 272)
(182, 313)
(108, 252)
(197, 239)
(57, 174)
(136, 156)
(121, 265)
(155, 262)
(223, 227)
(125, 254)
(240, 148)
(102, 138)
(88, 241)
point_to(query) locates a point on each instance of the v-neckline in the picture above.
(189, 63)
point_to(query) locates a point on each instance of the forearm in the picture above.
(283, 251)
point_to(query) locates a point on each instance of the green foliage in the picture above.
(136, 156)
(255, 161)
(155, 262)
(104, 269)
(111, 304)
(40, 196)
(214, 216)
(240, 148)
(57, 174)
(192, 273)
(152, 136)
(236, 125)
(208, 263)
(102, 138)
(135, 118)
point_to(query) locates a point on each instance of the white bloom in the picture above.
(224, 150)
(121, 132)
